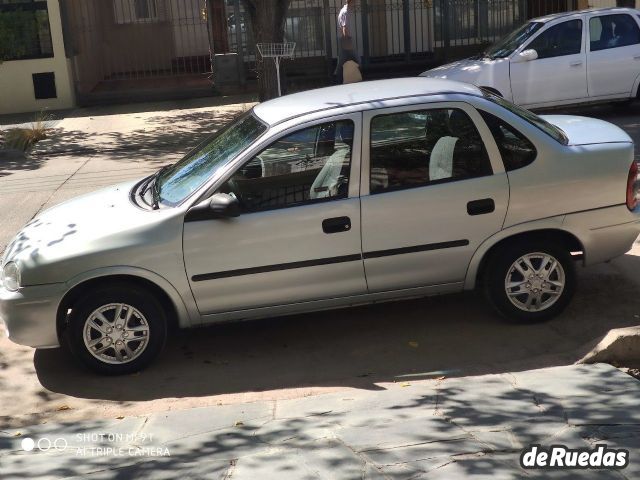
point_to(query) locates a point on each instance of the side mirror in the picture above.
(220, 205)
(526, 56)
(224, 205)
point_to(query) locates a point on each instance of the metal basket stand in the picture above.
(277, 51)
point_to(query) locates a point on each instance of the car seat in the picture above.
(330, 179)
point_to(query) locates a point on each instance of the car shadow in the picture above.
(449, 336)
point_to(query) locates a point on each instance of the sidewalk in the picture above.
(445, 428)
(94, 147)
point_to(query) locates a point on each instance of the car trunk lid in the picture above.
(586, 131)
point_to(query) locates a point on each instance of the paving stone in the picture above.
(399, 434)
(325, 459)
(472, 427)
(170, 426)
(578, 380)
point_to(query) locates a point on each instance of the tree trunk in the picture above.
(267, 20)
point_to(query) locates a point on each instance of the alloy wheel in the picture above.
(534, 282)
(116, 333)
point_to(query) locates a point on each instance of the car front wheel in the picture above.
(116, 330)
(530, 282)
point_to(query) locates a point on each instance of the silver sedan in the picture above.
(335, 197)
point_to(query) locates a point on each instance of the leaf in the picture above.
(405, 384)
(413, 344)
(238, 424)
(62, 408)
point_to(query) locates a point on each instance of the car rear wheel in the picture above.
(116, 330)
(530, 282)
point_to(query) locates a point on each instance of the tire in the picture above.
(550, 289)
(94, 338)
(624, 103)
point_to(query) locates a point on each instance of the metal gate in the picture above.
(122, 49)
(120, 46)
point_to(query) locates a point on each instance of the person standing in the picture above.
(346, 50)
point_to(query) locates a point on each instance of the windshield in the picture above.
(530, 117)
(186, 176)
(511, 42)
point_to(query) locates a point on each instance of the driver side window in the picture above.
(559, 40)
(307, 166)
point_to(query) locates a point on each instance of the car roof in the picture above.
(555, 16)
(367, 94)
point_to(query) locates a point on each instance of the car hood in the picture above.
(586, 131)
(94, 230)
(470, 70)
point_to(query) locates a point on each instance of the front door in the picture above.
(298, 237)
(435, 194)
(614, 54)
(559, 74)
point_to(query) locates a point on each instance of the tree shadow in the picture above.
(473, 427)
(448, 336)
(178, 133)
(12, 160)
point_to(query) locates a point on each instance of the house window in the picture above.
(135, 11)
(146, 9)
(24, 30)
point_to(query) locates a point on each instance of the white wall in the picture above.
(16, 83)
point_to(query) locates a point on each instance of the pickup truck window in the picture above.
(613, 31)
(562, 39)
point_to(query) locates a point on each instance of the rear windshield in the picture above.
(551, 130)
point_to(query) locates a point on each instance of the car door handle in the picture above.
(481, 207)
(575, 64)
(336, 225)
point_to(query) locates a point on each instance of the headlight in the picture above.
(11, 276)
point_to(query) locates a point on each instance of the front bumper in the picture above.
(30, 314)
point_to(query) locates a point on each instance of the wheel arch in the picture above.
(170, 300)
(484, 254)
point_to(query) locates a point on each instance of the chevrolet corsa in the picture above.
(341, 196)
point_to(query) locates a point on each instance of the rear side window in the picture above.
(424, 147)
(559, 40)
(613, 31)
(516, 150)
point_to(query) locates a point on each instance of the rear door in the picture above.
(434, 188)
(614, 55)
(559, 74)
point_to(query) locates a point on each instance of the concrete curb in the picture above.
(620, 346)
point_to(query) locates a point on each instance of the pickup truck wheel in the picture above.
(530, 282)
(116, 330)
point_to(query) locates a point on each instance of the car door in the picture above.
(434, 188)
(559, 74)
(298, 236)
(614, 55)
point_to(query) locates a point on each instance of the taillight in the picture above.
(632, 187)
